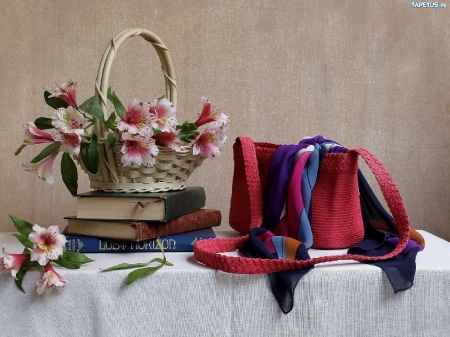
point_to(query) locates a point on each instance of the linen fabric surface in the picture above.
(286, 233)
(341, 299)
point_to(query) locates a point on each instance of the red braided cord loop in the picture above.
(207, 251)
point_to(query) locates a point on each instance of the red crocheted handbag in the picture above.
(341, 226)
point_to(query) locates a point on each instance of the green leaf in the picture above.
(160, 98)
(77, 258)
(118, 106)
(24, 240)
(122, 266)
(69, 173)
(89, 154)
(92, 107)
(111, 140)
(54, 102)
(26, 265)
(22, 226)
(188, 131)
(50, 149)
(137, 265)
(134, 275)
(43, 123)
(111, 122)
(66, 264)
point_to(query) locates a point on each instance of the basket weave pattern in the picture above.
(171, 169)
(170, 172)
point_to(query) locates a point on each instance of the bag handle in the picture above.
(108, 166)
(207, 251)
(246, 182)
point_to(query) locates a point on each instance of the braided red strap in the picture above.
(207, 251)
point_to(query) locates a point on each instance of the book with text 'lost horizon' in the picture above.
(183, 242)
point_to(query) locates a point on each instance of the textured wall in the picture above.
(365, 73)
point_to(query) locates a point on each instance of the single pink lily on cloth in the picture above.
(49, 244)
(50, 280)
(138, 150)
(43, 168)
(12, 262)
(66, 91)
(137, 119)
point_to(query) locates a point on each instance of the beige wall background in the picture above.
(371, 74)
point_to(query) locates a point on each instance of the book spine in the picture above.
(183, 203)
(175, 243)
(199, 219)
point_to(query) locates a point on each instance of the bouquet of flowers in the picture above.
(43, 246)
(138, 129)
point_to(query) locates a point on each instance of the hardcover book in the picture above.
(142, 230)
(160, 206)
(183, 242)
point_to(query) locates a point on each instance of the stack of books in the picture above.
(131, 222)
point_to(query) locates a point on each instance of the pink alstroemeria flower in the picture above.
(50, 280)
(209, 143)
(12, 262)
(170, 140)
(70, 142)
(69, 121)
(138, 119)
(138, 150)
(49, 244)
(164, 111)
(210, 114)
(35, 135)
(43, 168)
(66, 91)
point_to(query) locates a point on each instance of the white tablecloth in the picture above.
(188, 299)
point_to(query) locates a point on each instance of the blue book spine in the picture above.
(183, 242)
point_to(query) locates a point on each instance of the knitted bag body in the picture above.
(336, 212)
(336, 217)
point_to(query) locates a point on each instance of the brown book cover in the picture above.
(141, 230)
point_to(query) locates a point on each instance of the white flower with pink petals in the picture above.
(170, 140)
(66, 91)
(211, 114)
(43, 168)
(35, 135)
(70, 142)
(49, 244)
(50, 280)
(69, 121)
(164, 111)
(138, 150)
(12, 262)
(138, 119)
(209, 143)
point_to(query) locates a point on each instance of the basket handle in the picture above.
(107, 161)
(104, 70)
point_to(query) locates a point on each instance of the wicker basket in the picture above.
(172, 169)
